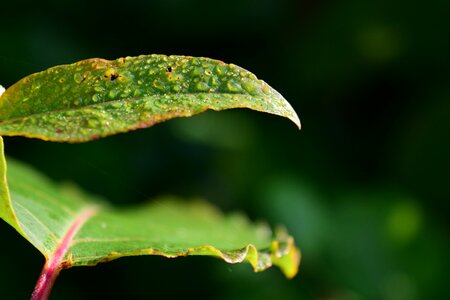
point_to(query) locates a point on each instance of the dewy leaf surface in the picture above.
(84, 231)
(95, 98)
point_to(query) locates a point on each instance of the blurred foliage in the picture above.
(363, 187)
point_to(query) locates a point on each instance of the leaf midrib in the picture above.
(16, 119)
(59, 254)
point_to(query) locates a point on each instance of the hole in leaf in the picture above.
(114, 76)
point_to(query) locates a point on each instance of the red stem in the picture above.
(54, 263)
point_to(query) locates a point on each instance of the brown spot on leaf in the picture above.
(95, 136)
(112, 74)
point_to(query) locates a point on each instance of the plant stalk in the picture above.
(46, 281)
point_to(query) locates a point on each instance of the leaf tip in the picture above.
(285, 254)
(285, 109)
(292, 115)
(294, 118)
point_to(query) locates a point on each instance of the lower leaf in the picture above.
(71, 228)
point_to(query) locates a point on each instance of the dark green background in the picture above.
(364, 187)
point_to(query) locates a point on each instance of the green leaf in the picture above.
(71, 228)
(95, 98)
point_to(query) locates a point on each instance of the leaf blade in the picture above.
(45, 214)
(96, 98)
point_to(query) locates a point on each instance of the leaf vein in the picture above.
(46, 196)
(51, 233)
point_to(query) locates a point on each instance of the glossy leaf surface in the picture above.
(95, 98)
(81, 230)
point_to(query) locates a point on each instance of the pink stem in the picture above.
(54, 263)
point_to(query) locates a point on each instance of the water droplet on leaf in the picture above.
(78, 78)
(202, 86)
(197, 71)
(92, 123)
(99, 88)
(96, 98)
(251, 86)
(157, 84)
(112, 94)
(233, 86)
